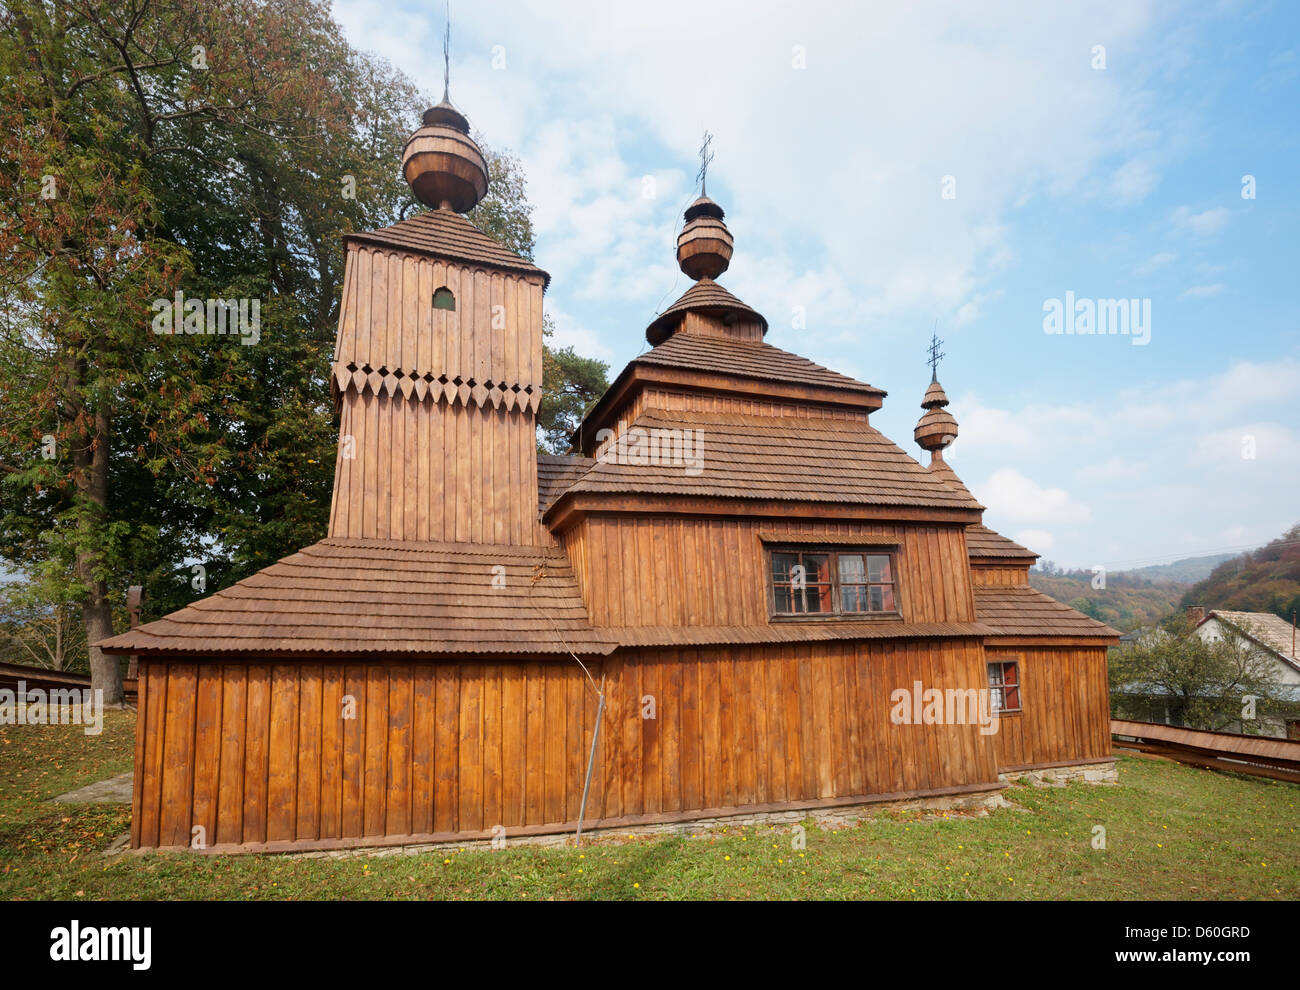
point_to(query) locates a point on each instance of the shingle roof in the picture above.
(707, 296)
(984, 542)
(746, 359)
(555, 473)
(1022, 611)
(941, 469)
(373, 596)
(448, 235)
(1271, 630)
(756, 457)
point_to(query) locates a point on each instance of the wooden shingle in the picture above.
(358, 597)
(754, 457)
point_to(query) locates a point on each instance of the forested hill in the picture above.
(1189, 570)
(1124, 604)
(1263, 580)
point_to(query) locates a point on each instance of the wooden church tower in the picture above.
(438, 364)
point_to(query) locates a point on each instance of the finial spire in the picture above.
(706, 156)
(446, 58)
(935, 355)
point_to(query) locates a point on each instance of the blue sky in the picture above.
(834, 129)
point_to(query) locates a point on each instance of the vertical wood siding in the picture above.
(1065, 702)
(434, 470)
(682, 571)
(260, 753)
(388, 321)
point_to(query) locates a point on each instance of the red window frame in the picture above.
(866, 589)
(1005, 692)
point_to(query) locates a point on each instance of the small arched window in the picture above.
(443, 299)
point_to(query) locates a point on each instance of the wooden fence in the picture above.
(1260, 756)
(34, 678)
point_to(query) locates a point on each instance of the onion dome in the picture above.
(443, 166)
(936, 428)
(704, 246)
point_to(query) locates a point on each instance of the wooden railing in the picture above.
(1260, 756)
(45, 679)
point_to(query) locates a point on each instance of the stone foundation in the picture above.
(1088, 773)
(976, 804)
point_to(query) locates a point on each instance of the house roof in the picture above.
(757, 457)
(369, 596)
(1019, 610)
(447, 235)
(984, 542)
(1269, 630)
(941, 469)
(555, 473)
(746, 359)
(705, 296)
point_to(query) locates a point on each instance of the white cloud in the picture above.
(1009, 494)
(1202, 291)
(1156, 262)
(1204, 223)
(1244, 446)
(568, 333)
(1038, 540)
(1146, 455)
(589, 113)
(1115, 469)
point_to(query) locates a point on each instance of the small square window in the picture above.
(1004, 685)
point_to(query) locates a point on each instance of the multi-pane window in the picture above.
(1004, 685)
(824, 582)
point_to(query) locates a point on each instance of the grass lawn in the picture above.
(1171, 832)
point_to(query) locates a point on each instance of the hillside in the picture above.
(1189, 570)
(1124, 604)
(1263, 580)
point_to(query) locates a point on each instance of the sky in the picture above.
(890, 169)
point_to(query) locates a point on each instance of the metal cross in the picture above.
(706, 156)
(446, 58)
(935, 355)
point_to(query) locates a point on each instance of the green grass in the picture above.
(1172, 832)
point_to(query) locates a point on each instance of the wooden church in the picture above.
(749, 598)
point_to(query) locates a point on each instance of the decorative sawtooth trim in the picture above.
(411, 385)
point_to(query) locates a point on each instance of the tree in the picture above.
(570, 384)
(219, 149)
(214, 148)
(40, 625)
(1202, 684)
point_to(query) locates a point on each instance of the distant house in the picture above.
(1277, 637)
(1142, 636)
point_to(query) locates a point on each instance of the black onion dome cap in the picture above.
(704, 207)
(445, 115)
